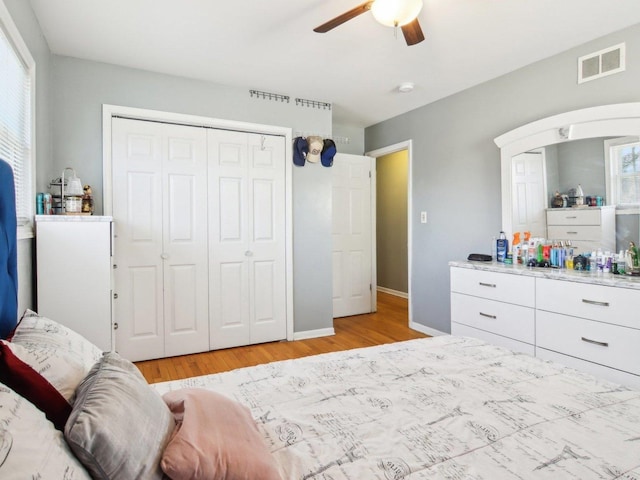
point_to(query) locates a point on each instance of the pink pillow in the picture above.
(215, 439)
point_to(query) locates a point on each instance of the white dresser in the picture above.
(74, 274)
(588, 228)
(586, 321)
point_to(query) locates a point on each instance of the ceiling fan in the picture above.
(392, 13)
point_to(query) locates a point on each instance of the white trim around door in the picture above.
(110, 111)
(408, 146)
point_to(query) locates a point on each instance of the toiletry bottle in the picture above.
(40, 204)
(579, 195)
(502, 247)
(515, 248)
(622, 262)
(540, 257)
(569, 260)
(532, 249)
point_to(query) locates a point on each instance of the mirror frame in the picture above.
(619, 119)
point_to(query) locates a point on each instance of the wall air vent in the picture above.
(600, 64)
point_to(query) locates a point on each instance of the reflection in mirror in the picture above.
(567, 150)
(573, 163)
(548, 177)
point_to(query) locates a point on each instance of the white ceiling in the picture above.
(270, 45)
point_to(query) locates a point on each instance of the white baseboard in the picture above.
(392, 292)
(426, 330)
(322, 332)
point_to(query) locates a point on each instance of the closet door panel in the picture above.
(181, 305)
(185, 252)
(137, 214)
(247, 225)
(159, 210)
(232, 326)
(265, 288)
(143, 282)
(267, 239)
(230, 207)
(228, 237)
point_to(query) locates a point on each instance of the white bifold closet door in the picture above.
(160, 245)
(247, 271)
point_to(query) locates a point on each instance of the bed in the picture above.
(446, 407)
(436, 408)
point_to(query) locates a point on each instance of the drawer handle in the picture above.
(572, 233)
(595, 342)
(491, 285)
(487, 315)
(593, 302)
(569, 218)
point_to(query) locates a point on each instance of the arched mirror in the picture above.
(558, 153)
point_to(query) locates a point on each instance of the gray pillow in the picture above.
(119, 425)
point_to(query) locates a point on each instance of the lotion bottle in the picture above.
(502, 247)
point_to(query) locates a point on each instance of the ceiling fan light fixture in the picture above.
(395, 13)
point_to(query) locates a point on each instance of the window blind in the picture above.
(15, 123)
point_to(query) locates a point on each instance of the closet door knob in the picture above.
(248, 253)
(164, 256)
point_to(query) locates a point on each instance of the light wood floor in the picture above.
(387, 325)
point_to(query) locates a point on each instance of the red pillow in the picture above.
(28, 383)
(215, 439)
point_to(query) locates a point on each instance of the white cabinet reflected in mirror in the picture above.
(597, 148)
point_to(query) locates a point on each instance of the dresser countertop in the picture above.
(73, 218)
(607, 279)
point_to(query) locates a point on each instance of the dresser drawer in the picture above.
(601, 343)
(574, 232)
(606, 373)
(574, 217)
(508, 320)
(492, 338)
(595, 302)
(504, 287)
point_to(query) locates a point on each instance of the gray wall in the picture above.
(391, 221)
(456, 170)
(349, 139)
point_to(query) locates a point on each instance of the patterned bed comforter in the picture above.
(444, 408)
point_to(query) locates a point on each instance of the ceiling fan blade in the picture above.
(346, 16)
(412, 32)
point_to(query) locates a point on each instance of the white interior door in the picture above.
(352, 245)
(160, 244)
(247, 270)
(529, 189)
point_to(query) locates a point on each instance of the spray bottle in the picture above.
(502, 247)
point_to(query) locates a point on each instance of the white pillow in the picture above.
(56, 352)
(30, 446)
(63, 371)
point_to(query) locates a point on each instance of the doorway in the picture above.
(391, 222)
(394, 160)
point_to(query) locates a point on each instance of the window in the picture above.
(17, 87)
(622, 162)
